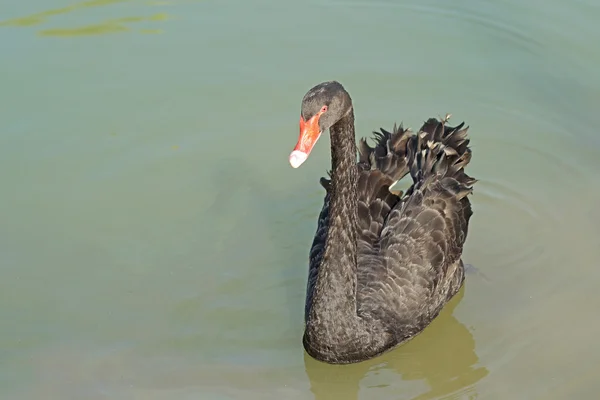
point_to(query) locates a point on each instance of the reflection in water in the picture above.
(443, 357)
(115, 25)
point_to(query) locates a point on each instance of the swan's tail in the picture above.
(439, 152)
(389, 153)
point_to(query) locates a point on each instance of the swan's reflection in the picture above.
(442, 357)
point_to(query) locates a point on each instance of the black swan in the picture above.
(382, 265)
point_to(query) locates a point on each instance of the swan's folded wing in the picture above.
(375, 201)
(423, 237)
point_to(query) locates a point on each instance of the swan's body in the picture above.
(381, 266)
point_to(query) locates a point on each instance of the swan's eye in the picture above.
(323, 109)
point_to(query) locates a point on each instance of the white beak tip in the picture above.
(297, 158)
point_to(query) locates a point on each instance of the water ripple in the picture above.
(485, 18)
(515, 222)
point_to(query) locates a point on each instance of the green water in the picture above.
(154, 239)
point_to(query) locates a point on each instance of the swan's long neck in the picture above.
(334, 330)
(334, 298)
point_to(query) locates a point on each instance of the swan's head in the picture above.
(322, 106)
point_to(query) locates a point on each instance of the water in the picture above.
(154, 239)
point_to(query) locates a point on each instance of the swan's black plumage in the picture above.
(383, 265)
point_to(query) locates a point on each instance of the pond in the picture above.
(154, 239)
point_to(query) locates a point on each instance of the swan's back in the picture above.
(409, 246)
(414, 266)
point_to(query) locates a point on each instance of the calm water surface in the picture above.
(154, 239)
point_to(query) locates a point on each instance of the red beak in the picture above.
(309, 134)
